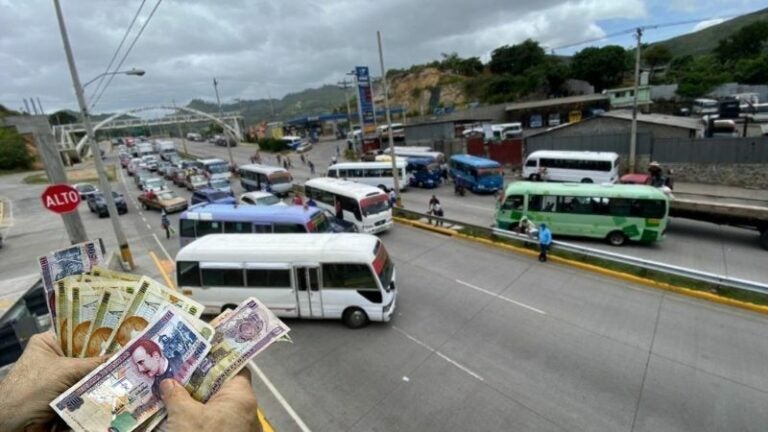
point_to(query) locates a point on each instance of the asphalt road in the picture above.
(485, 340)
(717, 249)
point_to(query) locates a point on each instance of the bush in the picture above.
(272, 145)
(13, 151)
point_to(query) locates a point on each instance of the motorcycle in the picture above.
(459, 189)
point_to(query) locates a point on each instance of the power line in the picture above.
(127, 52)
(646, 27)
(119, 47)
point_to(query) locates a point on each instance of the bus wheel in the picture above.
(228, 306)
(616, 238)
(586, 180)
(355, 318)
(534, 177)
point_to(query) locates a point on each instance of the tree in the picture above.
(554, 73)
(13, 150)
(62, 117)
(752, 71)
(471, 66)
(602, 67)
(656, 55)
(699, 75)
(748, 42)
(516, 59)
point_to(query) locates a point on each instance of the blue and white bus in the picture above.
(257, 177)
(423, 173)
(419, 152)
(476, 173)
(204, 219)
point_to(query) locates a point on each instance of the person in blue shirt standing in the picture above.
(545, 241)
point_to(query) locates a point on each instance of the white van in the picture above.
(257, 177)
(365, 206)
(572, 166)
(214, 168)
(320, 276)
(292, 142)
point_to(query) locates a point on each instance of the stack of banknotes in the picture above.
(151, 333)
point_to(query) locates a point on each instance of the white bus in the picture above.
(705, 106)
(214, 168)
(365, 206)
(256, 177)
(377, 174)
(324, 276)
(417, 152)
(572, 166)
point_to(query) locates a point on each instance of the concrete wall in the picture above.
(428, 132)
(612, 126)
(750, 176)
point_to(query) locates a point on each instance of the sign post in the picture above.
(365, 104)
(60, 198)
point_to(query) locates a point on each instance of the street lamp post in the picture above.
(134, 71)
(106, 188)
(221, 118)
(395, 174)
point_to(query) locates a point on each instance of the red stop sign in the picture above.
(60, 198)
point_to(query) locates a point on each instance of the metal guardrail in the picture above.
(695, 275)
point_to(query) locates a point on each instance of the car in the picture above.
(222, 142)
(195, 182)
(153, 183)
(85, 189)
(133, 166)
(151, 162)
(140, 177)
(261, 199)
(179, 177)
(170, 172)
(166, 200)
(211, 196)
(339, 225)
(221, 184)
(125, 159)
(97, 204)
(304, 147)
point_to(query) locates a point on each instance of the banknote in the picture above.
(125, 391)
(106, 273)
(240, 336)
(62, 319)
(72, 260)
(113, 302)
(149, 298)
(83, 302)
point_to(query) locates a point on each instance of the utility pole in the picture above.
(395, 174)
(633, 130)
(183, 138)
(221, 118)
(40, 128)
(347, 84)
(359, 113)
(106, 188)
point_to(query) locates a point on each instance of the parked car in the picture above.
(195, 182)
(85, 190)
(221, 184)
(98, 204)
(211, 196)
(165, 200)
(261, 199)
(339, 225)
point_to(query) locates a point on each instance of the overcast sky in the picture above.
(256, 48)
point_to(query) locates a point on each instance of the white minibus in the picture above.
(572, 166)
(365, 206)
(257, 177)
(332, 276)
(377, 174)
(214, 168)
(418, 152)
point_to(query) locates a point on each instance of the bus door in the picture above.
(310, 298)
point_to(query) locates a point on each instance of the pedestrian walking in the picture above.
(277, 156)
(545, 241)
(434, 203)
(303, 160)
(437, 210)
(338, 151)
(311, 202)
(392, 197)
(285, 164)
(334, 160)
(166, 224)
(288, 159)
(311, 167)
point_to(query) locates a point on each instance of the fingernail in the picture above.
(166, 387)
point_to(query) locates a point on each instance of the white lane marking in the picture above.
(501, 297)
(143, 218)
(161, 246)
(463, 368)
(299, 422)
(149, 227)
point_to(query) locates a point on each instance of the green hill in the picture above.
(705, 41)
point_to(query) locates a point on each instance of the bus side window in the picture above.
(531, 163)
(332, 173)
(223, 277)
(268, 278)
(187, 228)
(262, 229)
(188, 273)
(352, 276)
(542, 203)
(237, 227)
(289, 228)
(208, 227)
(513, 202)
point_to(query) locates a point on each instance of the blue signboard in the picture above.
(365, 95)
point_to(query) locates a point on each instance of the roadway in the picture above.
(485, 339)
(698, 245)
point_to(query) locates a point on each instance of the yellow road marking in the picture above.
(596, 269)
(165, 267)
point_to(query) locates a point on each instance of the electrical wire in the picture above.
(127, 52)
(117, 51)
(647, 27)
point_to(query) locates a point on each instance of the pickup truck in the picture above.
(164, 200)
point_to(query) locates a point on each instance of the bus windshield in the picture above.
(218, 168)
(383, 266)
(375, 204)
(279, 177)
(488, 172)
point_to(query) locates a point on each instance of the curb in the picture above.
(714, 298)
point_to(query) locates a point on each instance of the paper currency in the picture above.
(83, 303)
(61, 321)
(239, 337)
(59, 264)
(149, 298)
(106, 273)
(113, 302)
(124, 392)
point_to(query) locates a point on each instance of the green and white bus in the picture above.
(616, 213)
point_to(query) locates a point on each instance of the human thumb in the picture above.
(76, 368)
(174, 395)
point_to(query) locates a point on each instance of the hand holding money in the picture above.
(39, 376)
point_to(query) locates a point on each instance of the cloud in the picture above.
(708, 23)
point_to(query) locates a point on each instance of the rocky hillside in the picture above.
(429, 87)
